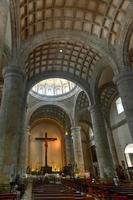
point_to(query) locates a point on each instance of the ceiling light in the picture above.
(61, 50)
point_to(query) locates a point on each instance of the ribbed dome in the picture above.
(53, 87)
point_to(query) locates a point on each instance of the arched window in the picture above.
(53, 87)
(58, 91)
(129, 155)
(35, 88)
(50, 92)
(65, 88)
(119, 106)
(40, 90)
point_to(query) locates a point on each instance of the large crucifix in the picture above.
(46, 140)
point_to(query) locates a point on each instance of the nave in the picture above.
(56, 191)
(66, 96)
(69, 189)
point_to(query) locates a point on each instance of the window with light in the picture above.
(119, 106)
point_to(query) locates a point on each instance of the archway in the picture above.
(56, 122)
(56, 150)
(129, 158)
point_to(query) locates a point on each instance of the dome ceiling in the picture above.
(53, 87)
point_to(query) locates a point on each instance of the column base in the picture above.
(107, 177)
(79, 173)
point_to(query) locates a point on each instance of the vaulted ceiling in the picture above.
(51, 112)
(108, 93)
(67, 56)
(101, 18)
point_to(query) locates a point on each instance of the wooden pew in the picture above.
(101, 190)
(111, 192)
(8, 196)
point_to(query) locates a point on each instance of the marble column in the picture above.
(4, 9)
(78, 151)
(104, 157)
(11, 121)
(69, 149)
(124, 83)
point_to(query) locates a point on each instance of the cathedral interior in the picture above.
(66, 70)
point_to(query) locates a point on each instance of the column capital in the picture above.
(13, 70)
(123, 76)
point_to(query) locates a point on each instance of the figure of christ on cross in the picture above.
(46, 140)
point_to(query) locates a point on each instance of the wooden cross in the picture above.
(46, 140)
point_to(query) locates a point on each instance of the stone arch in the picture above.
(14, 13)
(108, 93)
(83, 39)
(42, 104)
(124, 39)
(82, 84)
(81, 104)
(53, 112)
(88, 40)
(95, 79)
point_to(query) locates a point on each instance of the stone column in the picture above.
(104, 157)
(124, 83)
(23, 141)
(78, 151)
(112, 146)
(69, 149)
(87, 155)
(11, 121)
(28, 161)
(4, 8)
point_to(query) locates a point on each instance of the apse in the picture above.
(55, 148)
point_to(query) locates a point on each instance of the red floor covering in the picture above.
(56, 191)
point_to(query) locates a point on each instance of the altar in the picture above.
(45, 179)
(46, 168)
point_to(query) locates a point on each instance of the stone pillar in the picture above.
(4, 8)
(112, 146)
(11, 121)
(78, 151)
(124, 83)
(28, 160)
(87, 154)
(23, 141)
(69, 149)
(104, 157)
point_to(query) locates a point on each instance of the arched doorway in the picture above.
(129, 158)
